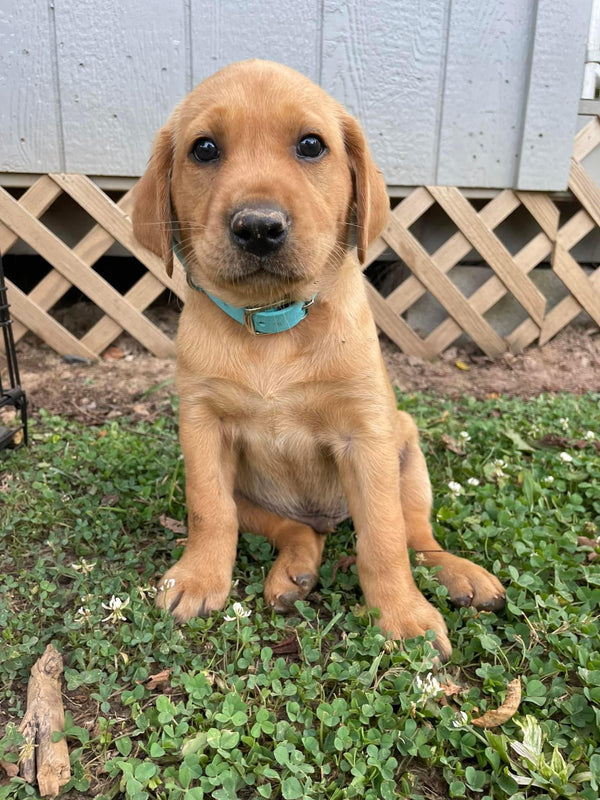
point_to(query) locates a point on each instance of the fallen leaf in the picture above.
(141, 409)
(452, 444)
(451, 689)
(493, 718)
(110, 500)
(159, 681)
(344, 563)
(461, 365)
(12, 770)
(175, 525)
(113, 353)
(287, 647)
(554, 440)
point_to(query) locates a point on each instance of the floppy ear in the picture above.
(151, 215)
(370, 194)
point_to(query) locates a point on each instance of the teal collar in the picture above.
(273, 318)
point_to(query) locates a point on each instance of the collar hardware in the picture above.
(268, 314)
(259, 320)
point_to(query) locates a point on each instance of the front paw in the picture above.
(188, 591)
(468, 584)
(413, 617)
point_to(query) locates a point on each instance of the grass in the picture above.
(316, 704)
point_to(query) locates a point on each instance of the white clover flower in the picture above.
(473, 481)
(429, 687)
(566, 457)
(115, 606)
(589, 436)
(238, 613)
(147, 591)
(460, 720)
(168, 584)
(455, 488)
(85, 567)
(464, 436)
(548, 479)
(497, 471)
(82, 615)
(564, 422)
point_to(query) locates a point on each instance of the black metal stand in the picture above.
(11, 395)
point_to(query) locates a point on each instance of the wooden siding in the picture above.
(476, 93)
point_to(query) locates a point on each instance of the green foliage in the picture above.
(349, 715)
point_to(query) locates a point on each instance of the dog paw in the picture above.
(414, 617)
(288, 582)
(185, 592)
(469, 584)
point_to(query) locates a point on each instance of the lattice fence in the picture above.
(430, 272)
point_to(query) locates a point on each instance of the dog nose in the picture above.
(259, 229)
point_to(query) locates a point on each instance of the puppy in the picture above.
(288, 422)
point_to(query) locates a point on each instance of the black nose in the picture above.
(259, 229)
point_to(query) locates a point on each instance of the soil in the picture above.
(129, 381)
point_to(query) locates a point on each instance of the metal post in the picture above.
(11, 394)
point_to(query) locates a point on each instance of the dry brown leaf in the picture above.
(11, 769)
(159, 681)
(491, 719)
(287, 647)
(453, 444)
(451, 689)
(175, 525)
(141, 409)
(344, 563)
(113, 353)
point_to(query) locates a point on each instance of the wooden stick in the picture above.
(45, 759)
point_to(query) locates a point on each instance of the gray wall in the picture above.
(474, 93)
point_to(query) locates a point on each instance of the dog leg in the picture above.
(368, 467)
(468, 584)
(296, 568)
(200, 582)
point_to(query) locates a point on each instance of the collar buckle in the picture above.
(250, 311)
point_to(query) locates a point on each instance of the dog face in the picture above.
(261, 175)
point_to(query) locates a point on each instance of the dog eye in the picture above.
(205, 149)
(310, 146)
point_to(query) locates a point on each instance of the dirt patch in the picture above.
(568, 363)
(128, 381)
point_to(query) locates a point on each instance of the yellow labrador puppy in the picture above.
(288, 422)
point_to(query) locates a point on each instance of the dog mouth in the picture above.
(272, 269)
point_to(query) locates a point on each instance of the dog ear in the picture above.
(151, 215)
(370, 194)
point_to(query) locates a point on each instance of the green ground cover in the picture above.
(316, 704)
